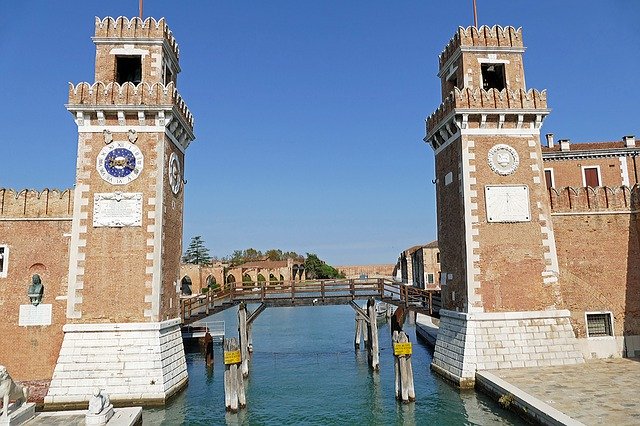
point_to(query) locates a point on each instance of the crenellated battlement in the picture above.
(127, 94)
(29, 203)
(468, 98)
(598, 199)
(123, 27)
(484, 36)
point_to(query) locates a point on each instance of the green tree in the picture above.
(317, 269)
(196, 253)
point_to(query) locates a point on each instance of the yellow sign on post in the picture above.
(231, 357)
(400, 349)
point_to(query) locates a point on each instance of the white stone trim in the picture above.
(129, 50)
(4, 253)
(624, 170)
(156, 278)
(75, 277)
(504, 131)
(470, 218)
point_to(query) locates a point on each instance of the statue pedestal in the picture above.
(100, 419)
(20, 415)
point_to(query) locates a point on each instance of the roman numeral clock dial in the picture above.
(120, 163)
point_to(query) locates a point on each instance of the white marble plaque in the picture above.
(507, 203)
(117, 209)
(34, 315)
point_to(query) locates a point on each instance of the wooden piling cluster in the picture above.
(366, 318)
(402, 350)
(373, 351)
(234, 395)
(361, 326)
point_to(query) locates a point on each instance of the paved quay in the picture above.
(598, 392)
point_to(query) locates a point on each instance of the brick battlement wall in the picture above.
(483, 36)
(123, 27)
(468, 98)
(597, 240)
(599, 199)
(143, 94)
(30, 203)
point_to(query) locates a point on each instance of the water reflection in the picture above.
(304, 371)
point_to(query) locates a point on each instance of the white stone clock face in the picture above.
(175, 173)
(119, 163)
(503, 159)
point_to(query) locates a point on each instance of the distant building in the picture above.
(366, 271)
(419, 266)
(196, 277)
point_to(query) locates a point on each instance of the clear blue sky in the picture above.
(310, 114)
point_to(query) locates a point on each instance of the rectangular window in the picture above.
(4, 260)
(548, 177)
(599, 324)
(430, 278)
(438, 257)
(492, 76)
(591, 176)
(129, 69)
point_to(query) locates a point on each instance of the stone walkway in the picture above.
(599, 392)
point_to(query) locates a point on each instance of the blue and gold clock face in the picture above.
(119, 163)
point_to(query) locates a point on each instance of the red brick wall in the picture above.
(172, 239)
(568, 172)
(35, 247)
(451, 238)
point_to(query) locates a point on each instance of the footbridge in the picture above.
(310, 292)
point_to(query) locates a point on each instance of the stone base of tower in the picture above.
(468, 342)
(134, 363)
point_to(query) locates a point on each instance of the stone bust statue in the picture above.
(36, 290)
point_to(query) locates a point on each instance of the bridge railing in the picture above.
(413, 296)
(320, 289)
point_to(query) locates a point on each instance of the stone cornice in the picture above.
(593, 153)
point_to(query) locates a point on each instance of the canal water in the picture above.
(304, 371)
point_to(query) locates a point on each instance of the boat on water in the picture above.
(384, 311)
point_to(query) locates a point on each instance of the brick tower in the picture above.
(498, 256)
(123, 327)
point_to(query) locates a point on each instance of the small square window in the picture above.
(430, 278)
(492, 76)
(4, 260)
(129, 69)
(599, 324)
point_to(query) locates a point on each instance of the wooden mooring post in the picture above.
(402, 350)
(361, 324)
(234, 395)
(373, 353)
(244, 338)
